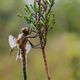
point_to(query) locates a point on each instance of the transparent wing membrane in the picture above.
(12, 41)
(18, 56)
(28, 48)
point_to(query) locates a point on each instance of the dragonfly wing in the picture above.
(28, 48)
(12, 41)
(18, 56)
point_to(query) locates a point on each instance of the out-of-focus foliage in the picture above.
(9, 22)
(67, 15)
(63, 48)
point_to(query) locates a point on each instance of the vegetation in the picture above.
(63, 47)
(38, 19)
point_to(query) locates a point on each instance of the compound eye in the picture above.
(24, 30)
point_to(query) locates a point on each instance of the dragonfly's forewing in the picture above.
(12, 41)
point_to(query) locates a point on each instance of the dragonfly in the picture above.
(13, 43)
(24, 46)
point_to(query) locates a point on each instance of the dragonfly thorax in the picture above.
(21, 41)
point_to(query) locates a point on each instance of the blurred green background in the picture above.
(63, 48)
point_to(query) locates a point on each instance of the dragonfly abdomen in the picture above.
(24, 64)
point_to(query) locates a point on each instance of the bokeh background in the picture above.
(63, 48)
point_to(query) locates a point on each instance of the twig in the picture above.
(46, 65)
(52, 3)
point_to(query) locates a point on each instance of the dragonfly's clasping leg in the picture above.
(11, 50)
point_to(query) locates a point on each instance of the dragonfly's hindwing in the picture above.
(18, 56)
(28, 48)
(12, 41)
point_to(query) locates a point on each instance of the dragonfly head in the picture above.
(25, 30)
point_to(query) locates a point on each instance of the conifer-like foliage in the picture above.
(38, 17)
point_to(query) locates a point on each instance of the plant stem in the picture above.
(46, 65)
(24, 66)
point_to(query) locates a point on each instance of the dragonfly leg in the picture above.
(11, 50)
(34, 46)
